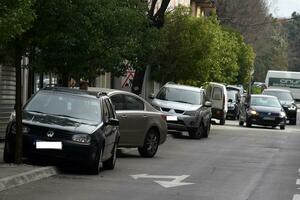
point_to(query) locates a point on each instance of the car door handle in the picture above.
(124, 116)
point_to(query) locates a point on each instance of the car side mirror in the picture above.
(207, 104)
(113, 122)
(151, 96)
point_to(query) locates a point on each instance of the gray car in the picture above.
(141, 125)
(186, 107)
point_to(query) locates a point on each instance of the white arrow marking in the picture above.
(167, 184)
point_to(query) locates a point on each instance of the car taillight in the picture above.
(164, 117)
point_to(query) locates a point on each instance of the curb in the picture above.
(27, 177)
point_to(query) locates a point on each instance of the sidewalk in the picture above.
(12, 175)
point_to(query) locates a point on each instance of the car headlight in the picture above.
(82, 138)
(191, 113)
(282, 114)
(293, 107)
(253, 112)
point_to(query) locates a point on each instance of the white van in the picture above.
(288, 80)
(217, 94)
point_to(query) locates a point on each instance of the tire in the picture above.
(150, 146)
(282, 127)
(199, 133)
(111, 162)
(207, 131)
(222, 121)
(248, 124)
(8, 155)
(96, 165)
(293, 122)
(241, 123)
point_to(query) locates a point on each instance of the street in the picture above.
(234, 163)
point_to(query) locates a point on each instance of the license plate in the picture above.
(172, 118)
(48, 145)
(269, 118)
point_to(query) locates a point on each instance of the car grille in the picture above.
(41, 132)
(176, 110)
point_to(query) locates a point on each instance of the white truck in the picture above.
(288, 80)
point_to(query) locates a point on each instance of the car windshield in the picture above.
(265, 101)
(232, 95)
(179, 95)
(65, 105)
(282, 96)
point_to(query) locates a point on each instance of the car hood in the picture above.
(266, 109)
(57, 122)
(286, 103)
(175, 105)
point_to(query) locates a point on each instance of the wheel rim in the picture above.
(152, 143)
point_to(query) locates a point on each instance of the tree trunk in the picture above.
(18, 105)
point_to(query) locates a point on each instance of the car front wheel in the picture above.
(8, 153)
(150, 145)
(282, 127)
(96, 164)
(110, 163)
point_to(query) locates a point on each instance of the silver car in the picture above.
(141, 125)
(186, 107)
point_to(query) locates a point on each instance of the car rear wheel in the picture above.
(150, 145)
(282, 127)
(8, 154)
(110, 163)
(241, 123)
(96, 165)
(222, 121)
(248, 123)
(293, 122)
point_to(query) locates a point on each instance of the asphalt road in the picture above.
(234, 163)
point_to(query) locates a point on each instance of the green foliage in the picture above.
(197, 50)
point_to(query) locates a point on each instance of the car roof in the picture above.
(85, 93)
(186, 87)
(276, 90)
(108, 91)
(232, 87)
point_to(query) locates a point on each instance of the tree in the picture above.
(87, 37)
(292, 29)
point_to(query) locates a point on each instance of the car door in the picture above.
(132, 118)
(109, 130)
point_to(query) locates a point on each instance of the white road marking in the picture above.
(166, 184)
(298, 182)
(296, 197)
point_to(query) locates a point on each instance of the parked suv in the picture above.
(186, 107)
(287, 102)
(67, 125)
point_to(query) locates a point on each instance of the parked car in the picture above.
(186, 107)
(67, 125)
(141, 125)
(217, 95)
(262, 110)
(287, 101)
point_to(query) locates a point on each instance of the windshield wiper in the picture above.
(35, 111)
(183, 102)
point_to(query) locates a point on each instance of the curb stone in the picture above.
(26, 177)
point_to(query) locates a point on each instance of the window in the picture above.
(133, 103)
(217, 93)
(118, 101)
(110, 109)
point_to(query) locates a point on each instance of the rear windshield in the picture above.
(68, 105)
(282, 96)
(179, 95)
(265, 101)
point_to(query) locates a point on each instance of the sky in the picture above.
(284, 8)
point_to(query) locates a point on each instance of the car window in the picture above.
(217, 93)
(58, 103)
(180, 95)
(133, 103)
(265, 101)
(105, 112)
(118, 101)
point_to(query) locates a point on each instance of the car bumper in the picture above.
(291, 114)
(71, 152)
(184, 123)
(265, 121)
(232, 112)
(218, 113)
